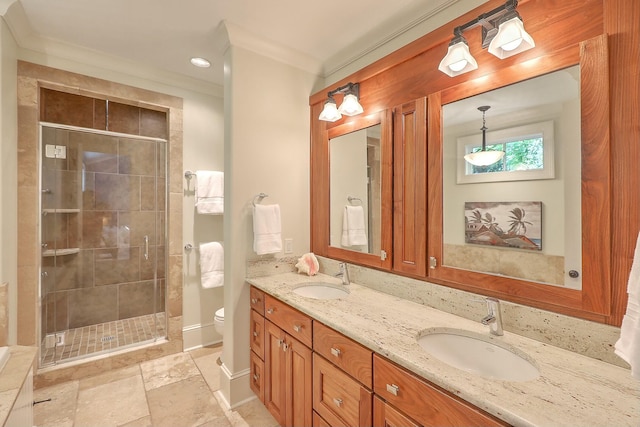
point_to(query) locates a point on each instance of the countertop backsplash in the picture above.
(592, 339)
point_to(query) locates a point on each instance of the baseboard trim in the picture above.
(199, 335)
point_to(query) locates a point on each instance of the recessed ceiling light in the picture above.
(200, 62)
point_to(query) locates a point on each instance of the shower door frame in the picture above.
(161, 237)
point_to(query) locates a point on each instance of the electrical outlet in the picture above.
(288, 246)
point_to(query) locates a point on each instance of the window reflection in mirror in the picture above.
(355, 190)
(537, 123)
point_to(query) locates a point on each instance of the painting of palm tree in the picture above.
(486, 222)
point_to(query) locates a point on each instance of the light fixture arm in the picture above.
(353, 88)
(484, 109)
(488, 21)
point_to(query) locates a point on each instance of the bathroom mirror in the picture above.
(483, 248)
(355, 190)
(359, 185)
(520, 216)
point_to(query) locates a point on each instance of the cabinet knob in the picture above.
(337, 401)
(335, 351)
(255, 333)
(271, 310)
(393, 389)
(256, 377)
(297, 328)
(285, 346)
(280, 342)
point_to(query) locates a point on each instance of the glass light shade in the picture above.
(511, 39)
(458, 60)
(350, 105)
(200, 62)
(330, 112)
(484, 158)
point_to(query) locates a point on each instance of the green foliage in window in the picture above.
(524, 154)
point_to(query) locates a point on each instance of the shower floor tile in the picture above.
(105, 337)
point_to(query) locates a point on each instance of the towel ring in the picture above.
(259, 198)
(352, 199)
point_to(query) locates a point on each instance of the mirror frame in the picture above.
(322, 191)
(593, 301)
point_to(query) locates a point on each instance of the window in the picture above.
(528, 154)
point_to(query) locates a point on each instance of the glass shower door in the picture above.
(103, 242)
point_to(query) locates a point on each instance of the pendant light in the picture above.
(484, 157)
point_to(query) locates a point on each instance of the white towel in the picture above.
(211, 265)
(267, 229)
(353, 232)
(628, 346)
(210, 192)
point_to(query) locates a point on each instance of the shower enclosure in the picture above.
(103, 237)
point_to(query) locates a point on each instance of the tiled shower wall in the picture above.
(106, 191)
(31, 78)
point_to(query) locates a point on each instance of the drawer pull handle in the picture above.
(255, 333)
(280, 342)
(335, 351)
(393, 389)
(338, 402)
(256, 377)
(271, 310)
(297, 328)
(285, 346)
(254, 300)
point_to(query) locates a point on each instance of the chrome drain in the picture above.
(107, 338)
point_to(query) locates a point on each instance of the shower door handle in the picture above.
(146, 247)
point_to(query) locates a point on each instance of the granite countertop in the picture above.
(572, 390)
(12, 377)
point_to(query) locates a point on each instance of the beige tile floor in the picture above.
(176, 390)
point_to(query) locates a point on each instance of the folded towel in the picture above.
(628, 346)
(266, 229)
(211, 265)
(353, 231)
(210, 192)
(308, 263)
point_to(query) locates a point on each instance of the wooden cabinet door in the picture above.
(274, 371)
(410, 188)
(257, 334)
(385, 415)
(298, 390)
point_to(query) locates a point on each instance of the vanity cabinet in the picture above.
(342, 378)
(410, 188)
(422, 401)
(256, 358)
(287, 364)
(385, 415)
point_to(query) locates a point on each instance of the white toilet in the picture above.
(218, 321)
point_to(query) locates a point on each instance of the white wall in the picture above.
(266, 150)
(8, 173)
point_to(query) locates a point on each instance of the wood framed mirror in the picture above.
(591, 299)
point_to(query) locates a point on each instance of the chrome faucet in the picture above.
(493, 317)
(343, 273)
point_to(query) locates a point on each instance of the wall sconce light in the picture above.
(484, 157)
(350, 104)
(502, 32)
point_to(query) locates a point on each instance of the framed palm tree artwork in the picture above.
(506, 224)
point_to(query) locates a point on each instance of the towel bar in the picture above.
(351, 199)
(188, 174)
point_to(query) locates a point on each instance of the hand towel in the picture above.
(353, 232)
(628, 345)
(211, 265)
(210, 192)
(266, 229)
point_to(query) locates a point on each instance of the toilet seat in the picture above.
(219, 314)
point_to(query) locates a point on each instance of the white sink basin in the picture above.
(321, 290)
(474, 353)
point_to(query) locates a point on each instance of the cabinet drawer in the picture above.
(257, 376)
(257, 334)
(337, 397)
(256, 298)
(345, 353)
(290, 320)
(385, 415)
(422, 401)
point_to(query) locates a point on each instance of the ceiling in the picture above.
(165, 34)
